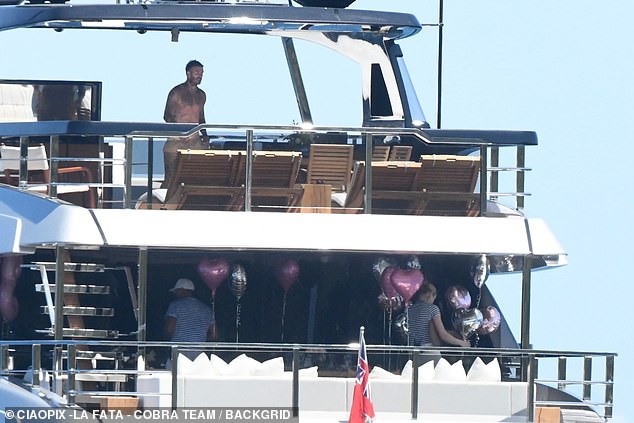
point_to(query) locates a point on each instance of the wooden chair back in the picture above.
(330, 164)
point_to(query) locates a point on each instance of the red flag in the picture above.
(362, 409)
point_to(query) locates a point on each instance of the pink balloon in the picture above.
(490, 320)
(406, 282)
(213, 272)
(9, 306)
(10, 270)
(386, 283)
(458, 297)
(287, 273)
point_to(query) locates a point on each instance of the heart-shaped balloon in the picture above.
(386, 283)
(490, 320)
(287, 273)
(458, 297)
(406, 282)
(213, 272)
(9, 306)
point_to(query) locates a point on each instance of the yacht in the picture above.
(296, 235)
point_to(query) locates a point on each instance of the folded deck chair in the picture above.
(396, 188)
(380, 153)
(401, 153)
(204, 180)
(273, 181)
(330, 164)
(39, 174)
(448, 182)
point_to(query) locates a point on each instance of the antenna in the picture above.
(439, 88)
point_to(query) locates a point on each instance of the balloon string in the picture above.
(283, 316)
(407, 320)
(389, 326)
(237, 319)
(384, 328)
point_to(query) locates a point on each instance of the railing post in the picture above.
(249, 171)
(150, 171)
(561, 373)
(174, 354)
(54, 165)
(23, 174)
(36, 364)
(483, 179)
(59, 292)
(587, 377)
(530, 390)
(495, 174)
(414, 390)
(609, 387)
(367, 195)
(72, 366)
(4, 360)
(142, 294)
(127, 176)
(519, 182)
(295, 390)
(526, 301)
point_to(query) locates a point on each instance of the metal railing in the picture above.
(539, 369)
(125, 173)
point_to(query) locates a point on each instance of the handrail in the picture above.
(508, 357)
(131, 133)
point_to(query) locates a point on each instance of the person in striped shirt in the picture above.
(424, 321)
(187, 318)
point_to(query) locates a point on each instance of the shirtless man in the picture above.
(185, 104)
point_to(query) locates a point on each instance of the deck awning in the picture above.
(48, 222)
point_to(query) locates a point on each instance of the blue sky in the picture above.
(564, 69)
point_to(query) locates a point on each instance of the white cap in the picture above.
(183, 283)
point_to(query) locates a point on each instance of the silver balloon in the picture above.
(479, 270)
(390, 303)
(413, 263)
(238, 281)
(467, 321)
(458, 297)
(401, 324)
(379, 265)
(490, 321)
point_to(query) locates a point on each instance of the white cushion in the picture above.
(201, 366)
(184, 365)
(406, 373)
(449, 372)
(480, 372)
(308, 372)
(380, 373)
(426, 371)
(243, 365)
(272, 367)
(218, 366)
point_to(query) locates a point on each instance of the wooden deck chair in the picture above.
(448, 182)
(400, 153)
(380, 153)
(204, 180)
(273, 180)
(330, 164)
(396, 188)
(39, 174)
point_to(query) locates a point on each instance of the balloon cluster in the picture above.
(9, 273)
(469, 321)
(398, 285)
